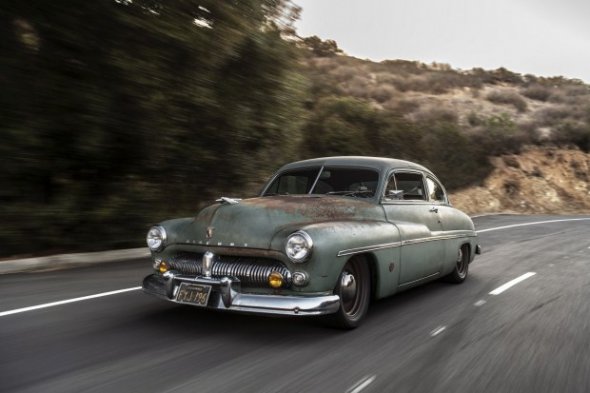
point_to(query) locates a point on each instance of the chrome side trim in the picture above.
(375, 247)
(383, 246)
(434, 238)
(420, 279)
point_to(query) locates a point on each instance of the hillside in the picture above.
(540, 109)
(539, 180)
(500, 141)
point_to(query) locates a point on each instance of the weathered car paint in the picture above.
(405, 242)
(253, 222)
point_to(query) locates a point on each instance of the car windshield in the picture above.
(352, 182)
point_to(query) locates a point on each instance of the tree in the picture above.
(117, 114)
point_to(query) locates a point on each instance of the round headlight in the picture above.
(156, 237)
(298, 247)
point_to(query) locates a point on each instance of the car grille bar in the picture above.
(251, 271)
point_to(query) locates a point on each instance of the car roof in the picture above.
(380, 163)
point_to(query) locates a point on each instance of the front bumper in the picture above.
(225, 295)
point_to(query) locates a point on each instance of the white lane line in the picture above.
(479, 303)
(438, 331)
(531, 223)
(363, 383)
(512, 283)
(59, 303)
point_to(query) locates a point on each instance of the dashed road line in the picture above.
(511, 283)
(363, 383)
(479, 303)
(438, 331)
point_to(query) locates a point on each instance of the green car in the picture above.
(325, 237)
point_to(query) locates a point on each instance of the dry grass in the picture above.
(507, 97)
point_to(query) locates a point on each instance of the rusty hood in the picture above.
(254, 222)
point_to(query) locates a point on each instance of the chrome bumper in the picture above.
(225, 295)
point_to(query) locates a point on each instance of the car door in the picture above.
(407, 205)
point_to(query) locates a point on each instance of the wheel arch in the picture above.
(371, 260)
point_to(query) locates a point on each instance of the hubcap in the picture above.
(347, 287)
(351, 289)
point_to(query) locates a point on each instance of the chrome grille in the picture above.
(251, 271)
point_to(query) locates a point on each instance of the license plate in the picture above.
(194, 294)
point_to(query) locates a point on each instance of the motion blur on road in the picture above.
(529, 336)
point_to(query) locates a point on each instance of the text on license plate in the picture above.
(195, 294)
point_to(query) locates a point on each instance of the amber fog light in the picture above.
(163, 267)
(275, 280)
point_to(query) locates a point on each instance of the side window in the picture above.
(405, 186)
(435, 191)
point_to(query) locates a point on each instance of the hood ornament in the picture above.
(230, 201)
(209, 232)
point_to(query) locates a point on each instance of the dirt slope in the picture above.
(540, 180)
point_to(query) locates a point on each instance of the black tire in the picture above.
(461, 270)
(354, 303)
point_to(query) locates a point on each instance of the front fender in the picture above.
(335, 242)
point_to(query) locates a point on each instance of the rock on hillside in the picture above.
(539, 180)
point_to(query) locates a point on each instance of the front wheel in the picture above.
(354, 290)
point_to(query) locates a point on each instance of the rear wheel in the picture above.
(354, 289)
(461, 270)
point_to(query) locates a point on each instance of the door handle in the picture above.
(433, 209)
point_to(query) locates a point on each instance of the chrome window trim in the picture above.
(392, 172)
(435, 180)
(317, 178)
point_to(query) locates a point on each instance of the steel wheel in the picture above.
(462, 264)
(354, 289)
(459, 274)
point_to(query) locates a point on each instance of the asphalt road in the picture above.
(532, 337)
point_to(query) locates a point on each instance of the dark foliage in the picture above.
(118, 114)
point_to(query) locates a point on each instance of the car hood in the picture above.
(254, 222)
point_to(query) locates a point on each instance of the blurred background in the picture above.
(117, 114)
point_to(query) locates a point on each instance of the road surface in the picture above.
(520, 323)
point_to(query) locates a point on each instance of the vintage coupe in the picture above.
(324, 237)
